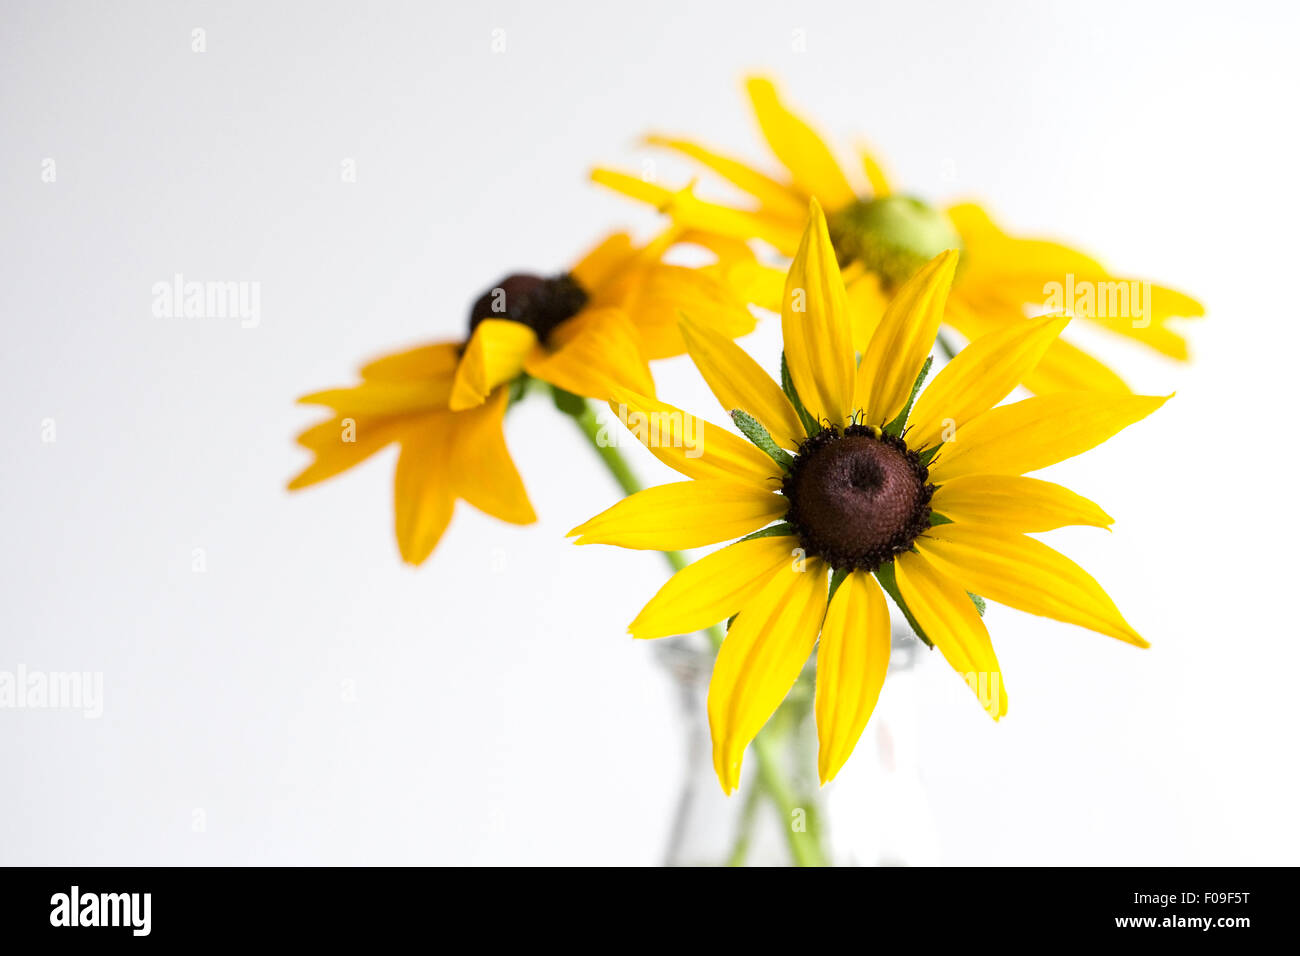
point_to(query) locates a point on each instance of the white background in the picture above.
(501, 715)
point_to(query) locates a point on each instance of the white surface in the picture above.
(500, 716)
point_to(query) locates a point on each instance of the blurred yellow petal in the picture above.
(713, 588)
(740, 382)
(495, 355)
(483, 473)
(903, 340)
(593, 353)
(766, 190)
(1037, 432)
(1015, 503)
(422, 495)
(1022, 572)
(425, 362)
(810, 162)
(690, 445)
(601, 262)
(816, 326)
(380, 397)
(684, 514)
(875, 173)
(867, 305)
(851, 663)
(661, 293)
(980, 376)
(950, 619)
(341, 443)
(760, 660)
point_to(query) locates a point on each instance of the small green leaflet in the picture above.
(752, 429)
(895, 427)
(810, 425)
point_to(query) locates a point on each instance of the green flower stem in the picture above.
(803, 846)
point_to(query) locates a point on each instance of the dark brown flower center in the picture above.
(858, 497)
(541, 304)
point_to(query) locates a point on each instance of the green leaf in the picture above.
(810, 424)
(885, 575)
(771, 531)
(752, 429)
(895, 427)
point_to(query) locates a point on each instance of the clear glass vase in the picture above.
(874, 813)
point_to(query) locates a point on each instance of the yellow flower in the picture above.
(923, 496)
(881, 238)
(582, 331)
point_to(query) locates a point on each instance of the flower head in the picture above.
(583, 331)
(881, 238)
(873, 486)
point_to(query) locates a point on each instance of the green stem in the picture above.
(803, 846)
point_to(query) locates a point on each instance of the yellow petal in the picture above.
(594, 352)
(661, 293)
(760, 660)
(1037, 432)
(422, 494)
(739, 382)
(382, 398)
(1022, 572)
(816, 326)
(851, 663)
(902, 340)
(765, 189)
(603, 261)
(425, 362)
(811, 165)
(341, 443)
(867, 304)
(691, 445)
(691, 213)
(714, 587)
(495, 354)
(684, 514)
(483, 472)
(875, 173)
(1015, 503)
(950, 619)
(981, 375)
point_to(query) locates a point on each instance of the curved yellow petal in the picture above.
(436, 361)
(810, 162)
(1037, 432)
(483, 473)
(852, 659)
(875, 173)
(683, 514)
(1015, 503)
(1022, 572)
(690, 445)
(422, 495)
(342, 442)
(381, 397)
(495, 354)
(980, 376)
(600, 263)
(949, 618)
(816, 326)
(656, 301)
(778, 196)
(740, 382)
(714, 587)
(902, 341)
(593, 353)
(760, 660)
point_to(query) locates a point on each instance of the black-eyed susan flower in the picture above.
(881, 238)
(872, 487)
(581, 331)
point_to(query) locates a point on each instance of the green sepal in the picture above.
(771, 531)
(895, 427)
(753, 429)
(837, 578)
(567, 402)
(927, 456)
(937, 519)
(980, 605)
(810, 424)
(885, 575)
